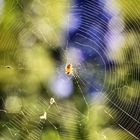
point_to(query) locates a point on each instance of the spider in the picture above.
(69, 69)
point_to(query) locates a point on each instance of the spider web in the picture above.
(98, 73)
(85, 39)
